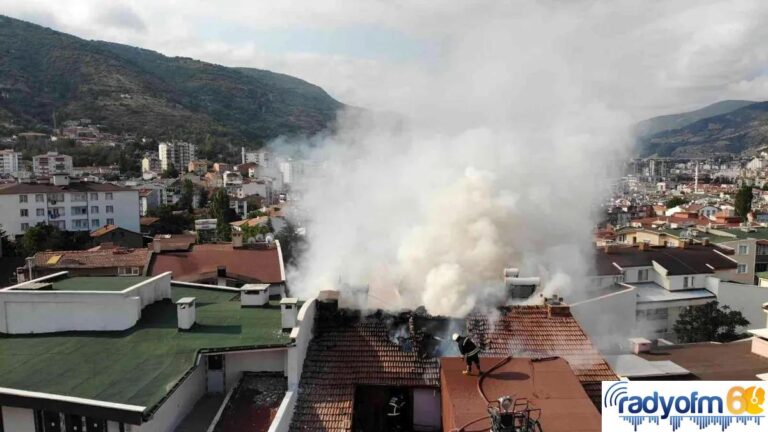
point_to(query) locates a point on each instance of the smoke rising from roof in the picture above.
(499, 159)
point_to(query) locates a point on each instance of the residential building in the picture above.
(199, 167)
(180, 154)
(92, 262)
(9, 161)
(70, 206)
(151, 163)
(749, 247)
(140, 353)
(150, 199)
(115, 236)
(639, 291)
(51, 163)
(260, 157)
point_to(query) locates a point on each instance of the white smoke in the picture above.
(498, 155)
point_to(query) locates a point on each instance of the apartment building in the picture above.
(180, 154)
(70, 206)
(51, 163)
(9, 161)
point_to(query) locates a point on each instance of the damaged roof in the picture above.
(350, 350)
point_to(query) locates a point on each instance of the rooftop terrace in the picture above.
(141, 365)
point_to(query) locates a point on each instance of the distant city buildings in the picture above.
(178, 154)
(9, 161)
(51, 163)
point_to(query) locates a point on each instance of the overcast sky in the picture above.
(655, 56)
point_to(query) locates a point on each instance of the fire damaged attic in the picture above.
(361, 370)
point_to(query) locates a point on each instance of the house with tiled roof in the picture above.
(117, 236)
(356, 362)
(640, 291)
(93, 262)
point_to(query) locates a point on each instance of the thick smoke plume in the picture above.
(498, 156)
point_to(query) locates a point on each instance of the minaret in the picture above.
(242, 154)
(696, 178)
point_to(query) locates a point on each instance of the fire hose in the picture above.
(501, 363)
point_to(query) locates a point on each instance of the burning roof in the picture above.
(402, 350)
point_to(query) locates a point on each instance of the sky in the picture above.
(668, 56)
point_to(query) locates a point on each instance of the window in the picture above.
(95, 223)
(80, 223)
(128, 271)
(40, 212)
(24, 212)
(110, 221)
(108, 196)
(39, 197)
(22, 198)
(110, 209)
(79, 196)
(642, 275)
(94, 196)
(685, 282)
(79, 211)
(743, 249)
(24, 226)
(742, 268)
(94, 209)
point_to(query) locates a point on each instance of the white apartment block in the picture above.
(51, 163)
(76, 206)
(9, 161)
(180, 154)
(262, 158)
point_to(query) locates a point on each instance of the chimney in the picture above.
(557, 308)
(237, 239)
(328, 301)
(254, 295)
(60, 179)
(221, 276)
(289, 310)
(185, 312)
(640, 345)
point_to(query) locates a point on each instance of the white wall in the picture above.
(745, 298)
(284, 415)
(266, 360)
(301, 335)
(55, 311)
(178, 405)
(608, 320)
(18, 419)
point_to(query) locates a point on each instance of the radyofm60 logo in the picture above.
(735, 406)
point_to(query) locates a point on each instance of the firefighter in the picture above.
(395, 412)
(470, 351)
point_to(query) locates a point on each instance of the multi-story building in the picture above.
(180, 154)
(51, 163)
(262, 158)
(9, 161)
(151, 163)
(76, 206)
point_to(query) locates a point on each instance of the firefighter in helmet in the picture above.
(395, 409)
(470, 351)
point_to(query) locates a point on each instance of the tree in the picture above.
(47, 237)
(675, 201)
(171, 172)
(743, 202)
(224, 215)
(709, 322)
(292, 244)
(187, 195)
(171, 222)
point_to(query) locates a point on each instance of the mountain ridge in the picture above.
(132, 89)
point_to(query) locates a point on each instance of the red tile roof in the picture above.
(101, 258)
(347, 351)
(252, 265)
(529, 331)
